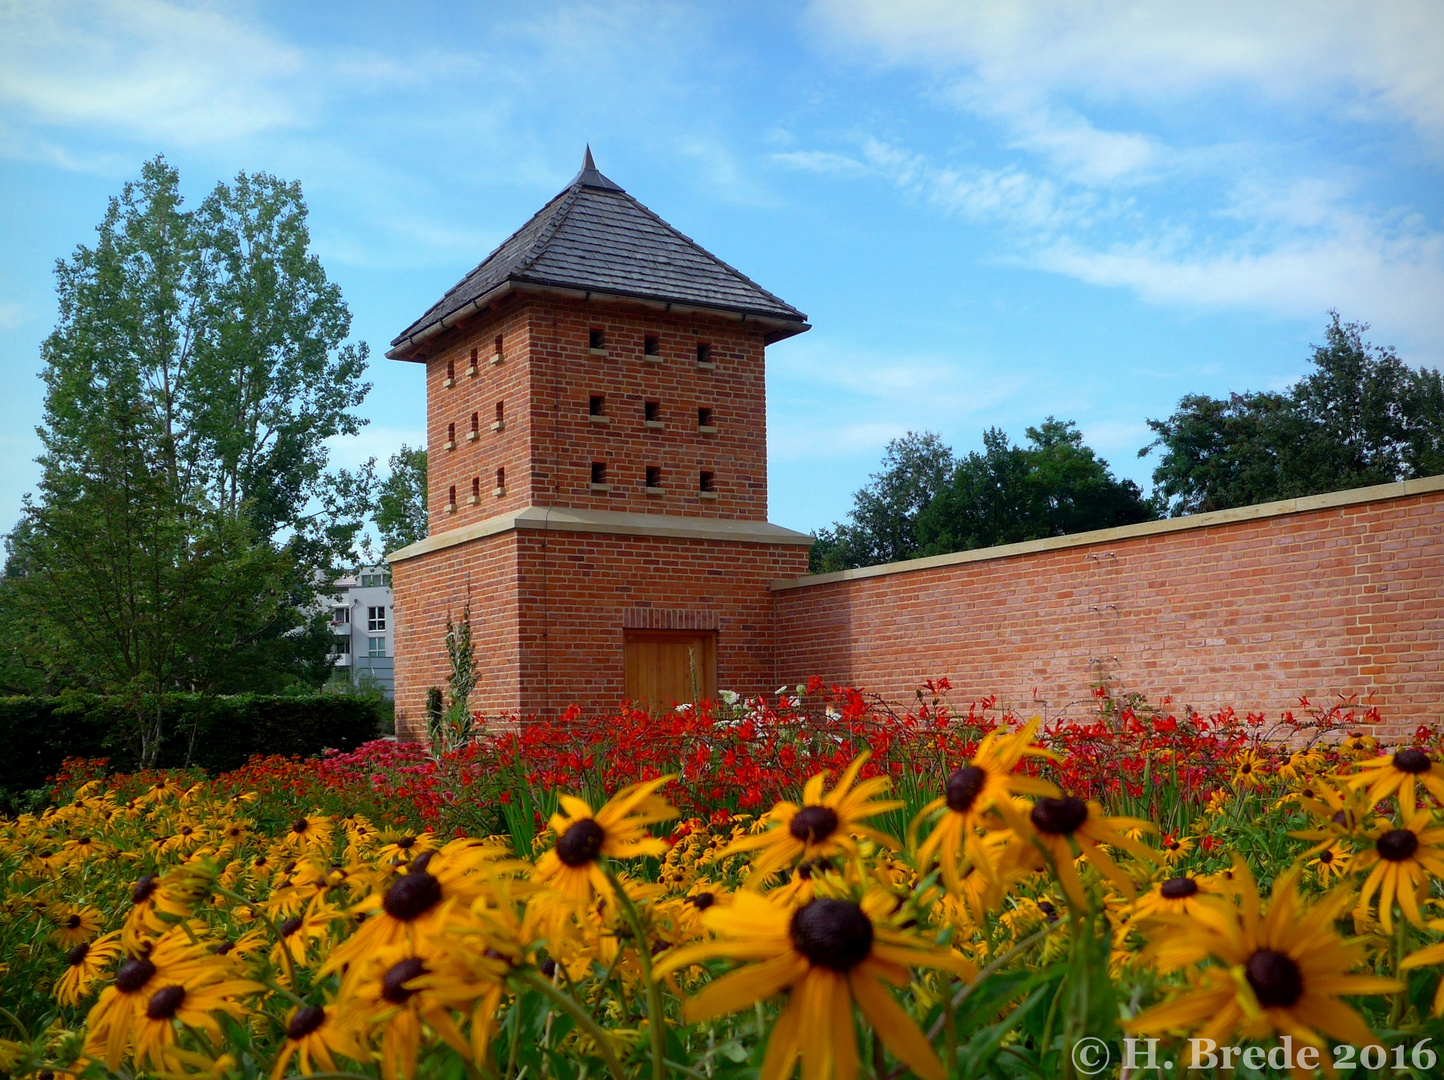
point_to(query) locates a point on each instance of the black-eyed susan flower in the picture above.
(1058, 824)
(399, 847)
(195, 999)
(1401, 773)
(112, 1021)
(309, 831)
(822, 827)
(971, 800)
(395, 994)
(84, 964)
(1280, 973)
(1249, 771)
(314, 1039)
(1400, 865)
(619, 830)
(76, 924)
(1175, 848)
(826, 956)
(1330, 864)
(1178, 894)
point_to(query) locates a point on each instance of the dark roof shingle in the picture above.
(594, 236)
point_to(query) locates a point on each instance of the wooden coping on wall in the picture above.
(1378, 493)
(564, 519)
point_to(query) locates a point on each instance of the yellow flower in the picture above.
(195, 999)
(1180, 895)
(402, 847)
(76, 924)
(1249, 771)
(309, 831)
(1058, 823)
(83, 965)
(1280, 973)
(1330, 863)
(826, 955)
(1176, 848)
(973, 794)
(1403, 772)
(822, 827)
(314, 1037)
(1399, 866)
(618, 830)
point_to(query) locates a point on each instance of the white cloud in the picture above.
(1385, 53)
(12, 315)
(149, 68)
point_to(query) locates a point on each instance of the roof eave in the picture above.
(777, 328)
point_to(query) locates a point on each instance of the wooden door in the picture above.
(664, 666)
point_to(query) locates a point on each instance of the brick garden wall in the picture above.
(1249, 608)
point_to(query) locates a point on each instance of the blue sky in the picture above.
(991, 212)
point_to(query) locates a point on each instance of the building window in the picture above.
(652, 412)
(376, 619)
(599, 472)
(500, 482)
(597, 405)
(708, 481)
(498, 344)
(500, 421)
(450, 436)
(450, 372)
(597, 339)
(475, 490)
(704, 417)
(451, 498)
(376, 648)
(375, 581)
(654, 476)
(475, 424)
(651, 345)
(341, 646)
(704, 353)
(340, 616)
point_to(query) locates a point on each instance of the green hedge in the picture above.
(38, 733)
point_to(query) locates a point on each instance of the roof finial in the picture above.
(589, 177)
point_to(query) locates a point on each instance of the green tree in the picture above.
(1361, 416)
(1007, 494)
(883, 522)
(185, 513)
(401, 500)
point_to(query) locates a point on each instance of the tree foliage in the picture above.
(1361, 416)
(928, 502)
(185, 512)
(401, 500)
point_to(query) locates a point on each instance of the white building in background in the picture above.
(362, 620)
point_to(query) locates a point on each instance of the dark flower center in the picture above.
(76, 956)
(1245, 768)
(1340, 818)
(307, 1019)
(421, 862)
(72, 922)
(1178, 888)
(412, 896)
(813, 824)
(260, 860)
(147, 884)
(84, 841)
(1049, 910)
(300, 825)
(1060, 817)
(1326, 857)
(224, 948)
(1173, 845)
(808, 867)
(186, 830)
(291, 925)
(164, 1002)
(1275, 978)
(1396, 845)
(581, 843)
(1412, 760)
(134, 974)
(703, 900)
(964, 786)
(392, 988)
(548, 967)
(833, 934)
(406, 842)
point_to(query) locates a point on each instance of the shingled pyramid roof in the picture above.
(595, 238)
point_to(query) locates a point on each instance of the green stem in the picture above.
(657, 1025)
(977, 980)
(1396, 1008)
(584, 1021)
(515, 1038)
(24, 1031)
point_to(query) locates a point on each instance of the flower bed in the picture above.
(814, 880)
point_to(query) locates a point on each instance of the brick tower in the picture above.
(596, 427)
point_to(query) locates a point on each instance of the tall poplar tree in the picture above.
(186, 514)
